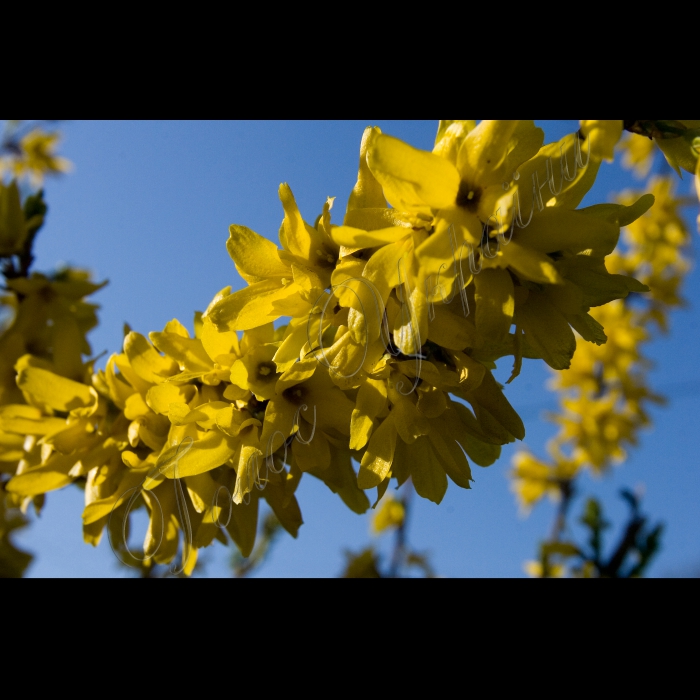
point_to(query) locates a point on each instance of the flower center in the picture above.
(266, 370)
(468, 197)
(295, 395)
(325, 258)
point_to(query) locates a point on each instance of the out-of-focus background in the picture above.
(148, 207)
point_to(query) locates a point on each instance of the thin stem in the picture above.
(399, 554)
(566, 489)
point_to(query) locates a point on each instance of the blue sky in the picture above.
(148, 208)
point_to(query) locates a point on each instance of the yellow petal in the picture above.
(255, 257)
(470, 372)
(450, 328)
(146, 362)
(554, 177)
(588, 328)
(367, 192)
(296, 236)
(231, 421)
(547, 331)
(484, 150)
(28, 420)
(119, 390)
(43, 478)
(377, 460)
(243, 526)
(286, 511)
(525, 143)
(211, 412)
(410, 423)
(452, 457)
(136, 407)
(278, 424)
(556, 229)
(371, 401)
(410, 324)
(376, 219)
(333, 409)
(618, 214)
(121, 362)
(412, 178)
(382, 271)
(218, 342)
(495, 303)
(212, 451)
(358, 238)
(74, 436)
(189, 353)
(431, 401)
(258, 304)
(101, 508)
(567, 297)
(296, 374)
(309, 281)
(451, 133)
(428, 476)
(298, 333)
(491, 396)
(49, 389)
(340, 478)
(181, 414)
(530, 264)
(160, 397)
(599, 287)
(314, 455)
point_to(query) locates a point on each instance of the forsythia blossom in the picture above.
(604, 395)
(446, 262)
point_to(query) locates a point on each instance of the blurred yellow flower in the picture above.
(36, 157)
(390, 515)
(638, 153)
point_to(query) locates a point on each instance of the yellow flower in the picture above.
(390, 515)
(50, 320)
(375, 364)
(306, 403)
(282, 282)
(533, 479)
(457, 187)
(460, 186)
(424, 264)
(256, 371)
(424, 435)
(638, 154)
(36, 157)
(125, 436)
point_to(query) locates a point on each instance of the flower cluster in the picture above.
(446, 261)
(605, 393)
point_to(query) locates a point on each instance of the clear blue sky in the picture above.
(148, 208)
